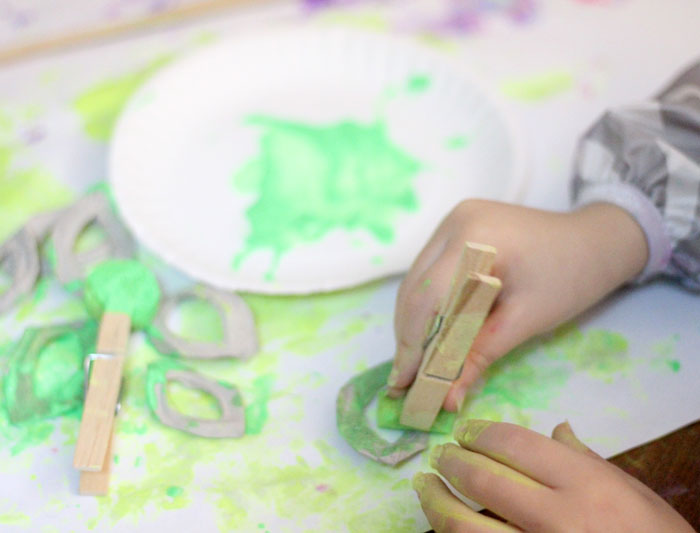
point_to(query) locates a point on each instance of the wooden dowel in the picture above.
(69, 40)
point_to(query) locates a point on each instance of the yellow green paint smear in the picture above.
(192, 402)
(24, 189)
(198, 320)
(308, 325)
(532, 377)
(312, 179)
(599, 353)
(99, 106)
(538, 86)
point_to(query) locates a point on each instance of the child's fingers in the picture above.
(545, 460)
(564, 434)
(416, 310)
(501, 489)
(447, 514)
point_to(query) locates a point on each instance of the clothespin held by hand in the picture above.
(471, 295)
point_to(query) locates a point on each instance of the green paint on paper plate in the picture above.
(99, 106)
(123, 286)
(539, 86)
(309, 180)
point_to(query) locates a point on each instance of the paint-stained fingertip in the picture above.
(467, 431)
(395, 392)
(393, 378)
(435, 455)
(418, 482)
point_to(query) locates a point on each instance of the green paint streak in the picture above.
(123, 286)
(100, 106)
(539, 86)
(310, 180)
(33, 300)
(256, 399)
(24, 189)
(457, 142)
(364, 20)
(174, 491)
(198, 320)
(418, 83)
(15, 519)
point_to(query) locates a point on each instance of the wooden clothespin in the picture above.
(93, 451)
(471, 295)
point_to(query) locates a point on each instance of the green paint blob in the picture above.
(310, 180)
(123, 286)
(674, 364)
(256, 409)
(389, 413)
(174, 491)
(538, 87)
(418, 83)
(100, 106)
(45, 376)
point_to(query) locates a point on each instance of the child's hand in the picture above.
(537, 484)
(552, 266)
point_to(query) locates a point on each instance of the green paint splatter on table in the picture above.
(599, 353)
(24, 189)
(174, 491)
(100, 106)
(310, 180)
(457, 142)
(256, 400)
(532, 377)
(539, 86)
(418, 83)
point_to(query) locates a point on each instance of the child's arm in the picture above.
(645, 158)
(537, 484)
(637, 193)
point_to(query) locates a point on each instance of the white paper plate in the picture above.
(325, 206)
